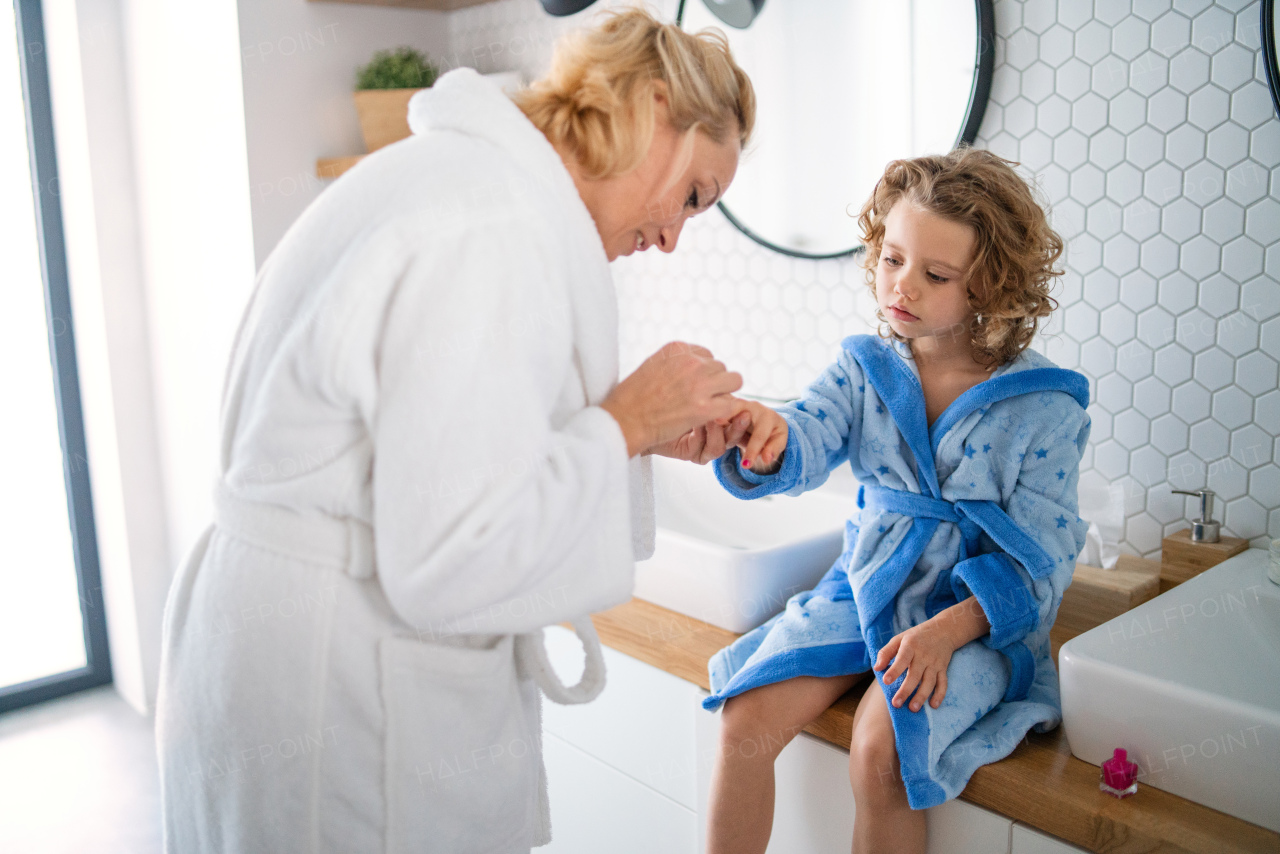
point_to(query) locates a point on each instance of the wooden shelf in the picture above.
(332, 167)
(435, 5)
(1040, 783)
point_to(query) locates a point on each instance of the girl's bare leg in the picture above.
(754, 727)
(884, 823)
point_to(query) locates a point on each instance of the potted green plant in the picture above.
(383, 90)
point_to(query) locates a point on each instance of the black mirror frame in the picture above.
(979, 93)
(1269, 51)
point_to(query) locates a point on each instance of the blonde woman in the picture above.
(427, 457)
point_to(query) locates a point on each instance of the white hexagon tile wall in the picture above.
(1149, 127)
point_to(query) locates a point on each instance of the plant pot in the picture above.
(384, 115)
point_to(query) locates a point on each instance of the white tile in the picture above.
(1251, 106)
(1188, 69)
(1191, 402)
(1110, 459)
(1168, 435)
(1177, 291)
(1228, 479)
(1223, 220)
(1151, 10)
(1093, 41)
(1151, 397)
(1209, 440)
(1160, 257)
(1115, 393)
(1173, 365)
(1214, 369)
(1106, 148)
(1242, 259)
(1170, 35)
(1251, 446)
(1264, 485)
(1097, 357)
(1227, 144)
(1073, 79)
(1144, 147)
(1245, 518)
(1264, 143)
(1199, 257)
(1260, 298)
(1147, 466)
(1130, 37)
(1104, 219)
(1124, 182)
(1212, 28)
(1266, 412)
(1117, 324)
(1056, 45)
(1256, 373)
(1232, 407)
(1138, 290)
(1020, 49)
(1120, 254)
(1232, 66)
(1127, 111)
(1130, 429)
(1181, 219)
(1246, 182)
(1149, 73)
(1037, 82)
(1143, 533)
(1134, 360)
(1166, 109)
(1208, 107)
(1071, 149)
(1081, 321)
(1156, 327)
(1054, 115)
(1088, 184)
(1184, 146)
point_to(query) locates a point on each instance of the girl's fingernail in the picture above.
(746, 464)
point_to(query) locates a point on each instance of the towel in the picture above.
(982, 503)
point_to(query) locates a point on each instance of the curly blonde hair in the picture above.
(1015, 248)
(597, 99)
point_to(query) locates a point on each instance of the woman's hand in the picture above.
(677, 389)
(923, 653)
(767, 439)
(703, 444)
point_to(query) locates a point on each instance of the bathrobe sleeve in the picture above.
(1021, 585)
(821, 427)
(490, 517)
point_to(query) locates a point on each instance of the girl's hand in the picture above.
(703, 444)
(923, 653)
(766, 440)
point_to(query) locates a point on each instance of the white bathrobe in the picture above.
(417, 477)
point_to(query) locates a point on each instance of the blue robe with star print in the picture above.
(981, 503)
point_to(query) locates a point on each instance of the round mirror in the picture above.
(843, 87)
(1270, 56)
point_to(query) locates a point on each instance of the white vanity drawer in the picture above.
(1027, 840)
(642, 724)
(596, 808)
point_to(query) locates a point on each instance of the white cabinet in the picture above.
(621, 770)
(631, 771)
(1027, 840)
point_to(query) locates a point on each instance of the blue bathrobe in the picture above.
(982, 504)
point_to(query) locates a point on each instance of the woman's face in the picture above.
(683, 174)
(920, 284)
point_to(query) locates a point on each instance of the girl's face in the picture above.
(920, 282)
(683, 174)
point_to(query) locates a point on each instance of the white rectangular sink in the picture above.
(734, 563)
(1189, 684)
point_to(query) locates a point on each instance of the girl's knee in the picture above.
(751, 728)
(873, 756)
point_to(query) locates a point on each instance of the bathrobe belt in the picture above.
(972, 517)
(346, 544)
(343, 543)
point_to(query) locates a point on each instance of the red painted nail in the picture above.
(746, 464)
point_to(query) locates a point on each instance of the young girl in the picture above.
(968, 447)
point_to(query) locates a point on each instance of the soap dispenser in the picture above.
(1204, 529)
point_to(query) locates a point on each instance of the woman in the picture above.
(427, 457)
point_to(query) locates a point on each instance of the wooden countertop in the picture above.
(1040, 784)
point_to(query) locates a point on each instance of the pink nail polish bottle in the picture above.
(1119, 775)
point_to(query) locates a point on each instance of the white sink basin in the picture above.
(735, 563)
(1189, 684)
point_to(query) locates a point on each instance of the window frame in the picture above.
(34, 70)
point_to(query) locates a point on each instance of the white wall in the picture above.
(298, 62)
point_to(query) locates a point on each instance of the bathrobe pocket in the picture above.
(462, 752)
